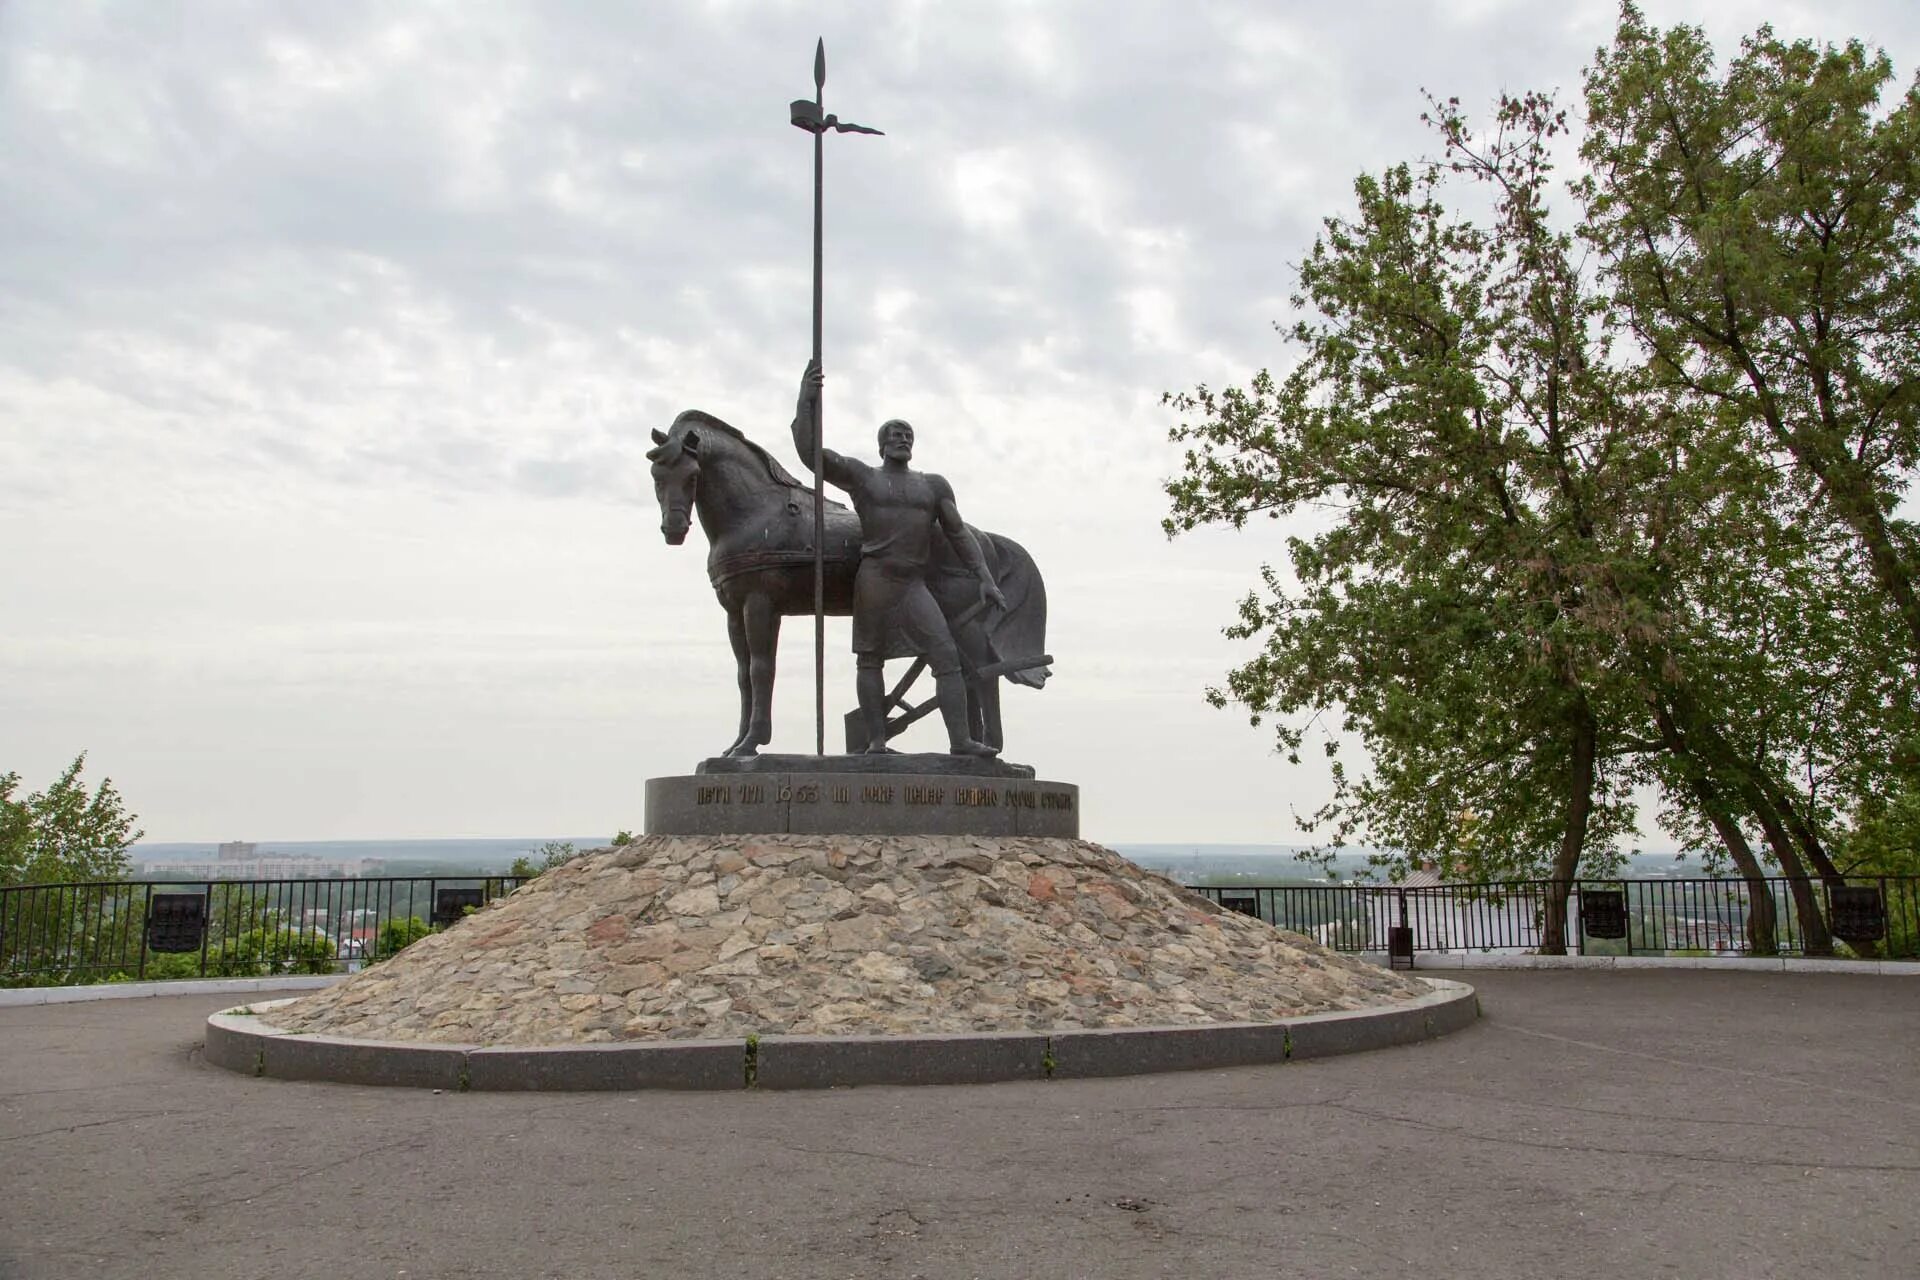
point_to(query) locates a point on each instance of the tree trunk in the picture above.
(1763, 935)
(1763, 921)
(1813, 922)
(1750, 784)
(1573, 838)
(1803, 832)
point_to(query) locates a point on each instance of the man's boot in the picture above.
(951, 689)
(870, 686)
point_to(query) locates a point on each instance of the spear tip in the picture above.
(820, 63)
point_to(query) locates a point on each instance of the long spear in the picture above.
(809, 115)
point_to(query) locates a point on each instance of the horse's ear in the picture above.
(659, 436)
(691, 442)
(653, 455)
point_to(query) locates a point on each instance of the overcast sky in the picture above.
(331, 336)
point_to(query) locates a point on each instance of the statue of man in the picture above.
(898, 509)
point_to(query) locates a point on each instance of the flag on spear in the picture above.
(810, 115)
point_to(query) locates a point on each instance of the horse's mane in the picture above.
(706, 421)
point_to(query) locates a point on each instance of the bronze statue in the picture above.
(758, 520)
(900, 510)
(971, 607)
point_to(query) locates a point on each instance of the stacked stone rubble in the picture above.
(697, 936)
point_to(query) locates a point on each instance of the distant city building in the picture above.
(237, 850)
(271, 867)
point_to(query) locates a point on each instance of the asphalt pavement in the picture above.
(1624, 1125)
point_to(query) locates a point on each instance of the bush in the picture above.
(171, 964)
(396, 935)
(554, 853)
(262, 953)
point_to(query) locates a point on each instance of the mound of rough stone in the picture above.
(708, 936)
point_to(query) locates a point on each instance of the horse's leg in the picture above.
(763, 644)
(737, 634)
(990, 712)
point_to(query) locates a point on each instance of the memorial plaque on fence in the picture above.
(1603, 913)
(176, 921)
(449, 905)
(1859, 913)
(1247, 904)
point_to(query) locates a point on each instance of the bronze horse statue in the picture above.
(759, 524)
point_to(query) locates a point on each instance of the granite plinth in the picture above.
(904, 762)
(247, 1041)
(812, 802)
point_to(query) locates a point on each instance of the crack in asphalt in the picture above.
(90, 1089)
(96, 1124)
(1746, 1162)
(848, 1151)
(1690, 1065)
(1615, 1112)
(358, 1156)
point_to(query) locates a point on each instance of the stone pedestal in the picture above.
(795, 961)
(858, 802)
(896, 762)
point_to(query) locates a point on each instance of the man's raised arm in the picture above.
(806, 415)
(806, 429)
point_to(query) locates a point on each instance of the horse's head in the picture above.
(676, 477)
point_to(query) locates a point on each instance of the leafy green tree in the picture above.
(64, 833)
(1449, 406)
(1569, 552)
(1885, 840)
(1758, 228)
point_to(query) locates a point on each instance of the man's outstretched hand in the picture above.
(990, 594)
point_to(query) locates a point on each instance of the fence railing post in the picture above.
(1626, 897)
(206, 932)
(146, 920)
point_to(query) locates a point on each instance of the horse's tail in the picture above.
(1020, 632)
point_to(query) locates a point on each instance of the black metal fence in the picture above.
(1877, 916)
(58, 934)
